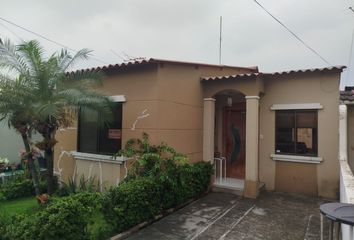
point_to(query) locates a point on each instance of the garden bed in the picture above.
(86, 215)
(158, 183)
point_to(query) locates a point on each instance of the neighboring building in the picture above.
(347, 100)
(11, 143)
(278, 130)
(346, 152)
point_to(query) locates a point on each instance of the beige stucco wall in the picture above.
(296, 178)
(320, 88)
(248, 87)
(172, 96)
(138, 86)
(64, 165)
(180, 111)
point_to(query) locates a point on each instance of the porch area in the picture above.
(231, 135)
(272, 216)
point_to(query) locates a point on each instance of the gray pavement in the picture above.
(224, 216)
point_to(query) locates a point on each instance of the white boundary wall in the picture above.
(346, 175)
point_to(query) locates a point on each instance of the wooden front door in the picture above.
(234, 140)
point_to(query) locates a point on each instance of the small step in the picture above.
(221, 189)
(233, 187)
(261, 187)
(229, 185)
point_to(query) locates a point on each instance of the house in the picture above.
(346, 153)
(274, 130)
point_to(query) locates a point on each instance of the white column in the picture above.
(343, 138)
(252, 133)
(208, 129)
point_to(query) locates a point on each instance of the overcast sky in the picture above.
(189, 30)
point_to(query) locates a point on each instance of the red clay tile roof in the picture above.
(251, 75)
(347, 95)
(141, 62)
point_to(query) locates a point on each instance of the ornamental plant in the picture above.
(151, 160)
(159, 179)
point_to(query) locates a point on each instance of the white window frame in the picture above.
(296, 106)
(98, 157)
(296, 158)
(118, 98)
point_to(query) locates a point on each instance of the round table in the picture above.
(340, 213)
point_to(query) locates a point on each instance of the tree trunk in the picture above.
(31, 166)
(49, 158)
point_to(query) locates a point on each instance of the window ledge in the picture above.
(294, 158)
(296, 106)
(99, 157)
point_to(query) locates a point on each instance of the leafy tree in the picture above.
(52, 94)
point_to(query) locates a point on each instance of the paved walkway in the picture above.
(224, 216)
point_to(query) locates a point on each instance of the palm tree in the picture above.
(55, 94)
(15, 108)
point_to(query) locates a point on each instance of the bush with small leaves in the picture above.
(131, 203)
(63, 218)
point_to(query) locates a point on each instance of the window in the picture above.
(296, 132)
(99, 135)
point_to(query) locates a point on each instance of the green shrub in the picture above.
(159, 179)
(195, 179)
(22, 187)
(4, 221)
(99, 228)
(2, 197)
(64, 218)
(141, 198)
(17, 189)
(152, 160)
(131, 203)
(84, 185)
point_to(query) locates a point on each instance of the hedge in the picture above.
(142, 198)
(17, 189)
(22, 187)
(132, 202)
(64, 218)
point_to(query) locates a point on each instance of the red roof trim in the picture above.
(156, 61)
(251, 75)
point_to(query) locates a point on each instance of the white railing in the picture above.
(346, 174)
(220, 163)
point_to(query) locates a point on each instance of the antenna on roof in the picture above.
(220, 40)
(133, 59)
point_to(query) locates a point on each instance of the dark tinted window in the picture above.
(296, 132)
(99, 134)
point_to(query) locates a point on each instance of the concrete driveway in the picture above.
(224, 216)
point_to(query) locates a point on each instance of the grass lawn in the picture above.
(18, 206)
